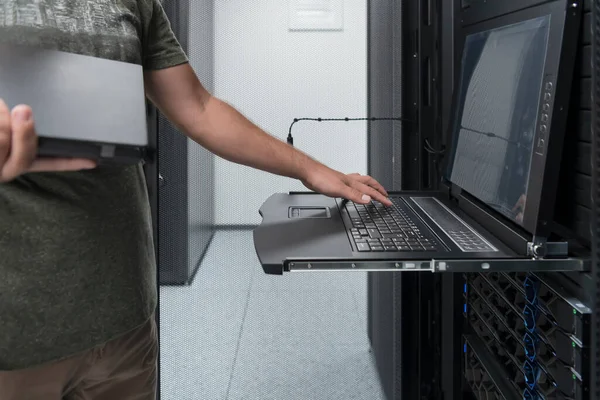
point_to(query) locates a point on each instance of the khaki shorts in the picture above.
(122, 369)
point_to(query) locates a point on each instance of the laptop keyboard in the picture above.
(377, 228)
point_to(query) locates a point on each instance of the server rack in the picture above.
(402, 314)
(423, 327)
(384, 154)
(151, 172)
(180, 174)
(186, 171)
(529, 335)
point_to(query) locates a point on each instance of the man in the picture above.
(77, 268)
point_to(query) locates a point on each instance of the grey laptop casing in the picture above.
(83, 106)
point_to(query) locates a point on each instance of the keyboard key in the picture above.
(374, 233)
(387, 235)
(363, 247)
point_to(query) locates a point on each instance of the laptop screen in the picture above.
(498, 98)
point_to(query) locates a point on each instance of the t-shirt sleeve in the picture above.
(161, 47)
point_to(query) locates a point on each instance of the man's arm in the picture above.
(218, 127)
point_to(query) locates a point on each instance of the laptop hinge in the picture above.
(444, 188)
(539, 247)
(455, 191)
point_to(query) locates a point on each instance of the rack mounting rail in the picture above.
(454, 265)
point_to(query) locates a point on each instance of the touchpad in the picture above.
(309, 212)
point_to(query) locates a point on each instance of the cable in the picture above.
(494, 136)
(429, 148)
(531, 367)
(290, 139)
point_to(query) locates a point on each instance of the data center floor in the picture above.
(237, 333)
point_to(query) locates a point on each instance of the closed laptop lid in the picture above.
(76, 97)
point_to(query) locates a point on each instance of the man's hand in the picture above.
(18, 147)
(358, 188)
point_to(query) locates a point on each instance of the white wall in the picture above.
(272, 76)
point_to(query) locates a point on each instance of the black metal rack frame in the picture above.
(595, 201)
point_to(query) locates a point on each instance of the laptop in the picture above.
(82, 106)
(508, 125)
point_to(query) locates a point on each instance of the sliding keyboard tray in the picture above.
(487, 265)
(303, 232)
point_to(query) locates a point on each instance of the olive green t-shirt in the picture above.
(77, 263)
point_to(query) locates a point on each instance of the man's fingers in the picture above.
(23, 146)
(18, 147)
(367, 180)
(5, 132)
(355, 195)
(372, 193)
(61, 164)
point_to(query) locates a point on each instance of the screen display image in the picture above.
(494, 128)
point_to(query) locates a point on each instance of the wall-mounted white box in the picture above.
(316, 15)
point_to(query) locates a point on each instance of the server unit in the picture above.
(488, 335)
(186, 180)
(526, 336)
